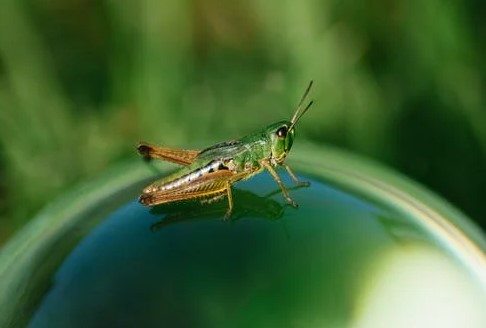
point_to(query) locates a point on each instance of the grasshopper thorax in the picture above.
(281, 136)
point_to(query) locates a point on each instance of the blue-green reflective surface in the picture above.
(205, 272)
(365, 248)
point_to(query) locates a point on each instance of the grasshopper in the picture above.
(209, 174)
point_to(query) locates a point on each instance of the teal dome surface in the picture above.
(365, 248)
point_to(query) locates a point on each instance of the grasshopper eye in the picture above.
(282, 132)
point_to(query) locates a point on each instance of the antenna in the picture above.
(299, 111)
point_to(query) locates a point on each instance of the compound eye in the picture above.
(282, 132)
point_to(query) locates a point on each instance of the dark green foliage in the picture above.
(81, 82)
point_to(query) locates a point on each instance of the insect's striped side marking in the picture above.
(207, 185)
(211, 167)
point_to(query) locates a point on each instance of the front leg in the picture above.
(294, 177)
(275, 176)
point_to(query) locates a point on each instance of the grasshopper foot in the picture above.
(292, 203)
(303, 183)
(227, 215)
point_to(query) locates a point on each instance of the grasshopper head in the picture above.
(282, 133)
(281, 139)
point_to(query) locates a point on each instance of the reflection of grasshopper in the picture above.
(249, 204)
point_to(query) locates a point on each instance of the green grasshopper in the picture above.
(209, 174)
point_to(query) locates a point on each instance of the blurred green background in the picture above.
(82, 81)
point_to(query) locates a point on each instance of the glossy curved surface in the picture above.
(365, 248)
